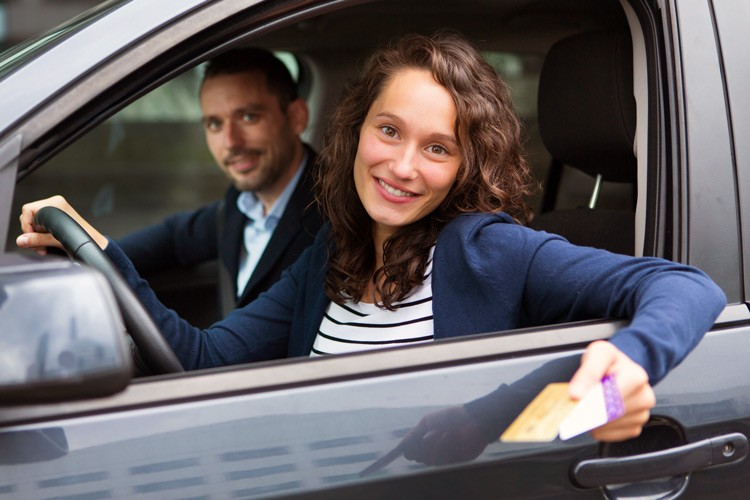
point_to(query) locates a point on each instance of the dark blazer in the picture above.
(190, 238)
(488, 275)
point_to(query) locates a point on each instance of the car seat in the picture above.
(586, 111)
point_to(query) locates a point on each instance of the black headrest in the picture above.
(586, 105)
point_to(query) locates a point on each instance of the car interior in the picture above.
(586, 80)
(577, 71)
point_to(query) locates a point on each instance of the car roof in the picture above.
(61, 56)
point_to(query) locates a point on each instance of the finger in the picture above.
(596, 362)
(641, 398)
(619, 434)
(623, 428)
(637, 417)
(632, 380)
(27, 220)
(637, 411)
(29, 210)
(37, 241)
(28, 213)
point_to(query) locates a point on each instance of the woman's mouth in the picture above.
(393, 191)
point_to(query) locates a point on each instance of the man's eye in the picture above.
(250, 117)
(212, 125)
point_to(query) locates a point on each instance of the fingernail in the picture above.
(22, 240)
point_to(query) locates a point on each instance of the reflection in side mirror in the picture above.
(61, 334)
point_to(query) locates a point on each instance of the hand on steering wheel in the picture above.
(152, 346)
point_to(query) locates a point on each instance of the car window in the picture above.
(149, 160)
(18, 55)
(144, 163)
(521, 73)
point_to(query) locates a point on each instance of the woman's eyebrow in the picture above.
(444, 137)
(436, 136)
(390, 116)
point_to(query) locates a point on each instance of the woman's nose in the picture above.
(403, 164)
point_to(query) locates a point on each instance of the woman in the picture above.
(423, 185)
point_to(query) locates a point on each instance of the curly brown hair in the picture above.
(493, 176)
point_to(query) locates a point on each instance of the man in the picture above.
(252, 117)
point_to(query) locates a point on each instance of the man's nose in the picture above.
(232, 135)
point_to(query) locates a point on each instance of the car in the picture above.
(636, 116)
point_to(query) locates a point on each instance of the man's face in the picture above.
(253, 140)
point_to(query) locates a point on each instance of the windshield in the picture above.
(20, 54)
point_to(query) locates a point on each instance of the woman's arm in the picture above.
(257, 332)
(509, 270)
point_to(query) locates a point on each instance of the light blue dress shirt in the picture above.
(259, 228)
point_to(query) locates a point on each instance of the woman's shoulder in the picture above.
(481, 237)
(499, 225)
(487, 244)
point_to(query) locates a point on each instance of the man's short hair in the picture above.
(252, 59)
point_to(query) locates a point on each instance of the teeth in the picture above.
(394, 191)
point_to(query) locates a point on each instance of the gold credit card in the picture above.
(540, 420)
(553, 412)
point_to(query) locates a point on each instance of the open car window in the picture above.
(149, 160)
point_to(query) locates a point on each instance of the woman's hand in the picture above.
(35, 238)
(602, 358)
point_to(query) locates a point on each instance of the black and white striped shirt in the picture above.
(357, 326)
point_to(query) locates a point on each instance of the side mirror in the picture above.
(61, 334)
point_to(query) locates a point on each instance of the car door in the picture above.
(313, 428)
(732, 20)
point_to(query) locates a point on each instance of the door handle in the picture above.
(664, 463)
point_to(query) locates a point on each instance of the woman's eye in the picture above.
(388, 131)
(437, 149)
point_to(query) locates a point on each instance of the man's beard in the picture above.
(267, 172)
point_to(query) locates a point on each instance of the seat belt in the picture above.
(227, 298)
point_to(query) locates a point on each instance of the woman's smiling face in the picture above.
(408, 156)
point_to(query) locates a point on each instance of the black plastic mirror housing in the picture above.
(63, 335)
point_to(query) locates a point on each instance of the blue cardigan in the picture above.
(489, 274)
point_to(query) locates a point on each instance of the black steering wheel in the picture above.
(152, 347)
